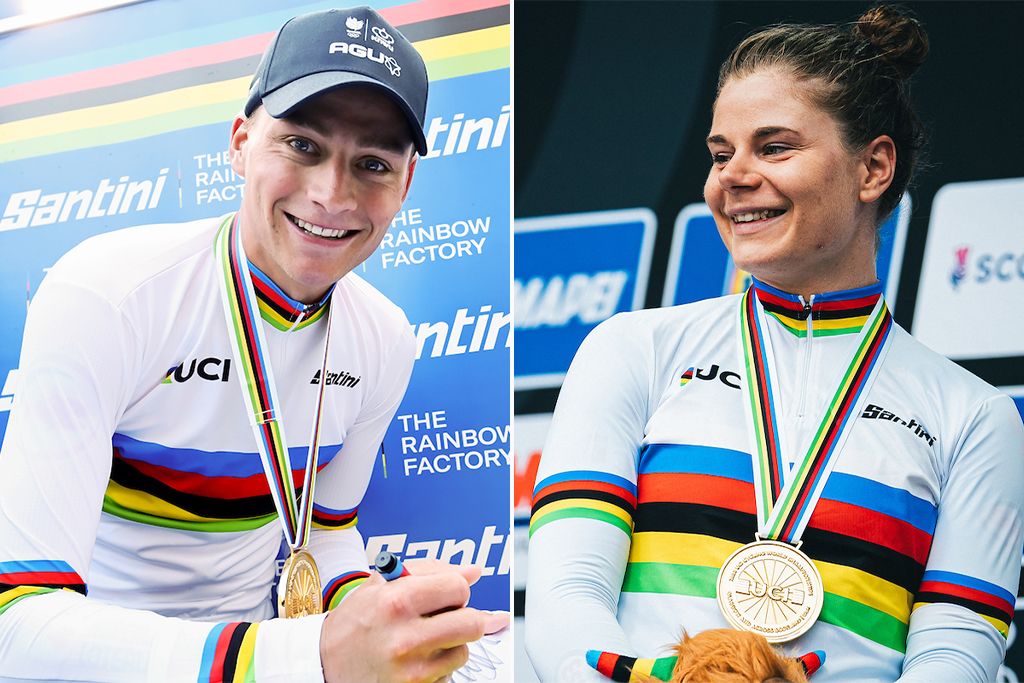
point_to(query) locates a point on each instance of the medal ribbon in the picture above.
(256, 378)
(783, 510)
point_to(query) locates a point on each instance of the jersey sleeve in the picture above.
(335, 539)
(78, 365)
(584, 502)
(965, 603)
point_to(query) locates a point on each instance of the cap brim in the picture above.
(287, 98)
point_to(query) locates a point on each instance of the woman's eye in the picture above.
(719, 159)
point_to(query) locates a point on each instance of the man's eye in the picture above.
(375, 165)
(302, 145)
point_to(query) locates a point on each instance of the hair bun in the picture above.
(897, 35)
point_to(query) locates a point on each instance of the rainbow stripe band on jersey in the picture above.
(229, 654)
(584, 494)
(696, 506)
(259, 389)
(784, 508)
(832, 313)
(186, 488)
(337, 588)
(279, 309)
(992, 603)
(23, 578)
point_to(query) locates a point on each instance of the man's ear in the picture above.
(239, 136)
(878, 168)
(408, 179)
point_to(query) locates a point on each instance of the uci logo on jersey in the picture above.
(727, 377)
(210, 369)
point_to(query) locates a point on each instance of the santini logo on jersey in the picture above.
(341, 379)
(726, 377)
(873, 412)
(210, 369)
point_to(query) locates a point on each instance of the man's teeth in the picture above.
(756, 215)
(319, 230)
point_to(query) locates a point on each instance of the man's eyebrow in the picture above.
(312, 123)
(372, 139)
(385, 143)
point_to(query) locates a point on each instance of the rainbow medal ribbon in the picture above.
(299, 586)
(770, 586)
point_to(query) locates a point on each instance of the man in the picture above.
(145, 462)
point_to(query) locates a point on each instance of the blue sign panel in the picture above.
(572, 272)
(699, 266)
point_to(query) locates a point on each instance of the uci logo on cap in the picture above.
(363, 52)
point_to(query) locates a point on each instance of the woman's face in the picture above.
(784, 190)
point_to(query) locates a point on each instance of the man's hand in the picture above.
(412, 629)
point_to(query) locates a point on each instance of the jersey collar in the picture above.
(279, 309)
(828, 313)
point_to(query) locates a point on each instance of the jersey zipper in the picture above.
(807, 357)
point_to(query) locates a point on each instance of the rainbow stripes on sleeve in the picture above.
(992, 603)
(337, 588)
(22, 578)
(326, 518)
(229, 655)
(584, 494)
(630, 669)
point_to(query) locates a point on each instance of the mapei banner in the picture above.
(699, 266)
(97, 135)
(572, 272)
(972, 276)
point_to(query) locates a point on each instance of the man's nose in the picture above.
(333, 187)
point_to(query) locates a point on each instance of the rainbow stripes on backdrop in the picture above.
(100, 99)
(229, 654)
(584, 494)
(695, 506)
(340, 586)
(22, 578)
(993, 603)
(831, 314)
(184, 488)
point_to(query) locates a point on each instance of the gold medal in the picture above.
(298, 590)
(770, 588)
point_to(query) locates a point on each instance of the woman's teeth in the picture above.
(756, 215)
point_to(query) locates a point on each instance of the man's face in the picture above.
(321, 186)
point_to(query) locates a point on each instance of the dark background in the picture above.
(613, 102)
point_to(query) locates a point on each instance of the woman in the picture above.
(884, 483)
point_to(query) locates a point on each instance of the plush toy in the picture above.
(715, 656)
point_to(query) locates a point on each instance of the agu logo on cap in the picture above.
(363, 52)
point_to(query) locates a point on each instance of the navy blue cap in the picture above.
(321, 51)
